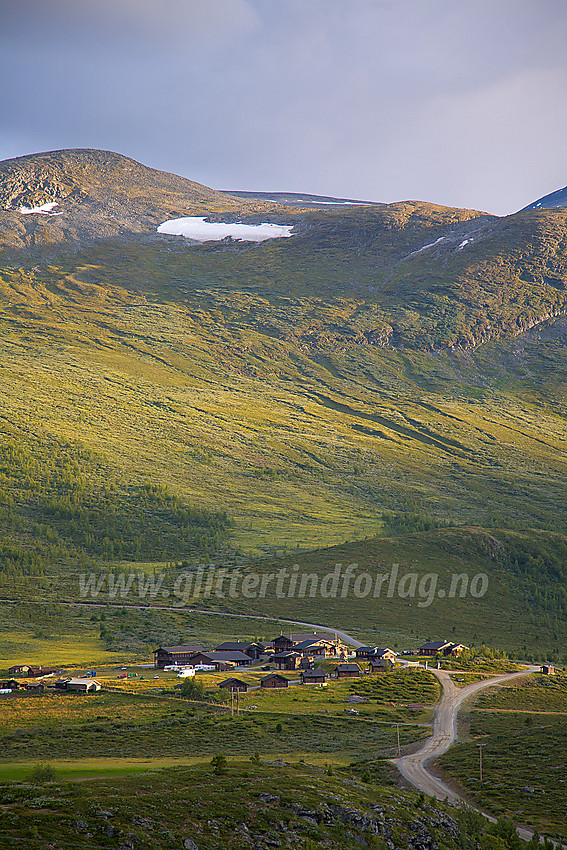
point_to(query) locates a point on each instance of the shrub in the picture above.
(193, 688)
(219, 764)
(43, 773)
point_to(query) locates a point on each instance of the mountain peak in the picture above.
(554, 199)
(56, 175)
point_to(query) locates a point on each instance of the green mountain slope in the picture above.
(406, 359)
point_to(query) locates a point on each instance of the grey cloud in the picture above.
(458, 103)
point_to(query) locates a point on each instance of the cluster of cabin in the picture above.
(31, 671)
(290, 653)
(309, 676)
(299, 653)
(70, 684)
(286, 652)
(39, 673)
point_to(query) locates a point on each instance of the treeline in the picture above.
(408, 523)
(60, 501)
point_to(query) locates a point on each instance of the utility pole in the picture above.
(398, 731)
(238, 702)
(480, 746)
(232, 702)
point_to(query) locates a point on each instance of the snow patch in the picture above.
(424, 247)
(194, 227)
(342, 203)
(44, 209)
(463, 244)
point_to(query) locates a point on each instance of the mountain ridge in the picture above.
(99, 195)
(425, 276)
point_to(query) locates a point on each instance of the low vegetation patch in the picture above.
(534, 693)
(60, 501)
(226, 803)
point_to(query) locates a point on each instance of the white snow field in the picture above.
(194, 227)
(44, 209)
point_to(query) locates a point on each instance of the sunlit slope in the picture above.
(304, 445)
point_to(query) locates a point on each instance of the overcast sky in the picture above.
(460, 102)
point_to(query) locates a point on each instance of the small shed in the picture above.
(10, 685)
(234, 684)
(548, 669)
(274, 680)
(35, 687)
(313, 677)
(347, 671)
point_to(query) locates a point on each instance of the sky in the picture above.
(457, 102)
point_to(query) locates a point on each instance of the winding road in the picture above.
(414, 767)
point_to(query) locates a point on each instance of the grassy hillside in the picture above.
(60, 502)
(396, 370)
(525, 586)
(301, 444)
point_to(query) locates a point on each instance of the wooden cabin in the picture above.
(181, 655)
(234, 684)
(313, 677)
(274, 680)
(347, 671)
(287, 660)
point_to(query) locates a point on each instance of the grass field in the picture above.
(537, 693)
